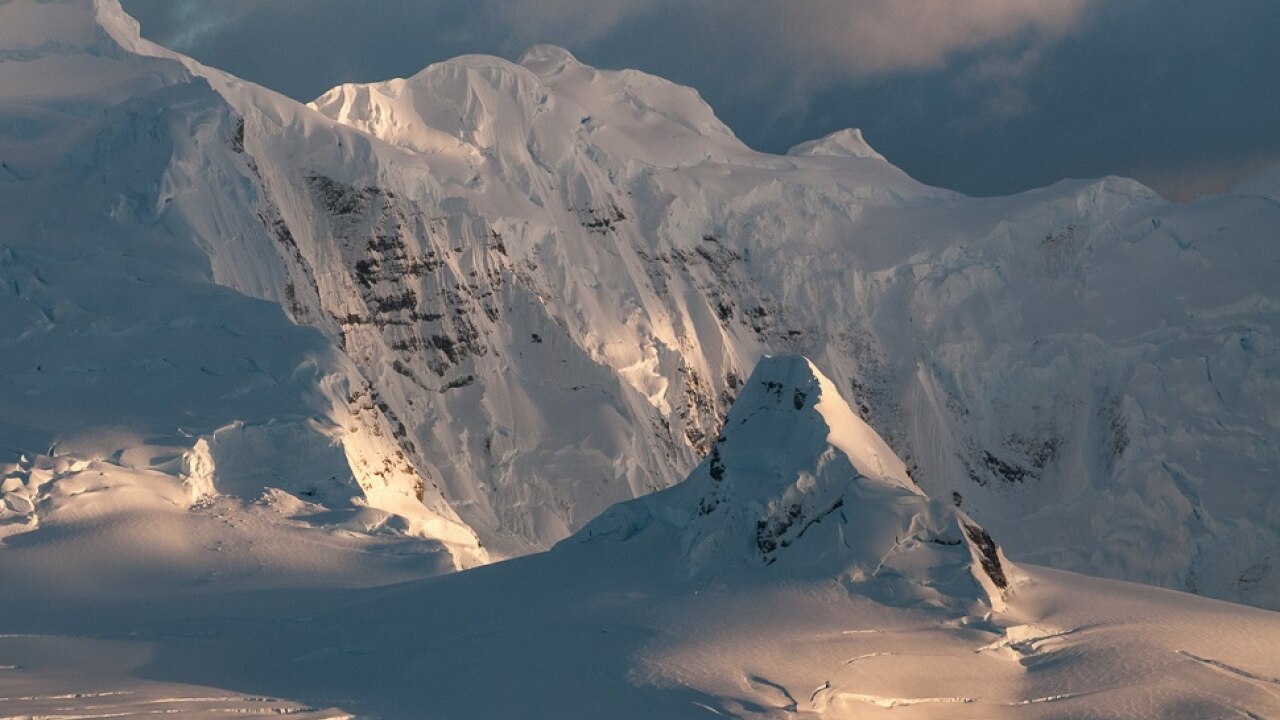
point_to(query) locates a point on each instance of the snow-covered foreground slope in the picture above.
(883, 604)
(523, 292)
(585, 634)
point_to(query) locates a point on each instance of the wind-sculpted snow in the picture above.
(527, 291)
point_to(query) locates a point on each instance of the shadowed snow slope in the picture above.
(489, 301)
(837, 591)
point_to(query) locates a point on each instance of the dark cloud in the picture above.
(984, 96)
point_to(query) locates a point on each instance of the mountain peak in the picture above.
(842, 143)
(547, 110)
(796, 480)
(787, 396)
(30, 27)
(547, 60)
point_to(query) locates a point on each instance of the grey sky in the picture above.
(983, 96)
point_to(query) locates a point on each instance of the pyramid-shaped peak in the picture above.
(788, 403)
(799, 484)
(785, 368)
(842, 143)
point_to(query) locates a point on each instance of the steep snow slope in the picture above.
(886, 606)
(538, 286)
(1081, 356)
(119, 348)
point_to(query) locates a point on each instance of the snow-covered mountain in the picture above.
(797, 573)
(128, 337)
(485, 303)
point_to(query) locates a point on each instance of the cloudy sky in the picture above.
(983, 96)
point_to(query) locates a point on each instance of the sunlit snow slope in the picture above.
(527, 291)
(797, 573)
